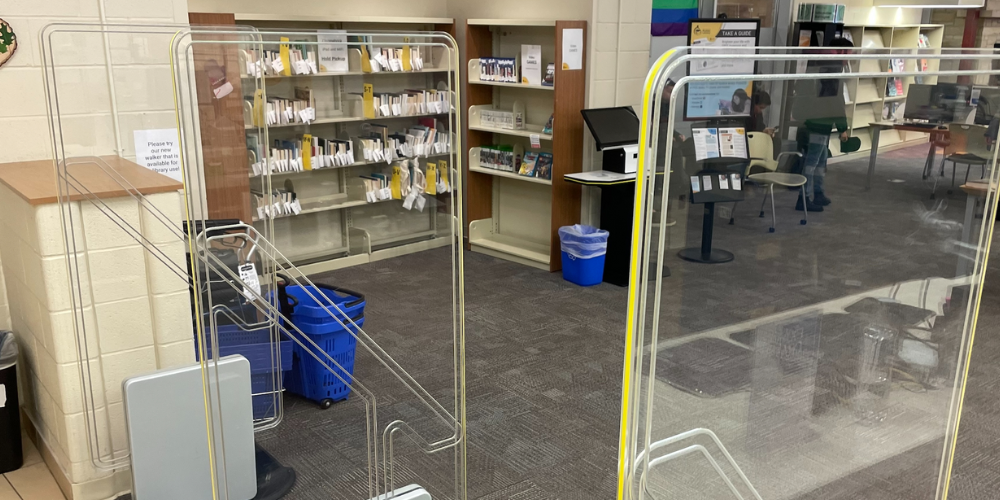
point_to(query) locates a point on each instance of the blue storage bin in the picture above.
(583, 251)
(311, 326)
(349, 303)
(254, 345)
(314, 379)
(583, 272)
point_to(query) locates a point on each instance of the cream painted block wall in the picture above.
(620, 55)
(131, 322)
(32, 251)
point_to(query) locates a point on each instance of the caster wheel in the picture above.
(771, 230)
(932, 196)
(325, 404)
(949, 191)
(732, 222)
(761, 214)
(803, 222)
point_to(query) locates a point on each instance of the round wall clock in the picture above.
(8, 42)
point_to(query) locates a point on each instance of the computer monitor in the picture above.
(612, 127)
(935, 103)
(988, 106)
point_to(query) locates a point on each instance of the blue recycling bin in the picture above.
(583, 252)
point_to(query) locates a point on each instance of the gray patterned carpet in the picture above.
(544, 357)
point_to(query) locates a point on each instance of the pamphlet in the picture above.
(707, 182)
(723, 181)
(736, 181)
(733, 142)
(695, 184)
(706, 143)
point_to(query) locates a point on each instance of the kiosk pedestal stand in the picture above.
(710, 186)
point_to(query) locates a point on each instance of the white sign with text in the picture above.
(158, 150)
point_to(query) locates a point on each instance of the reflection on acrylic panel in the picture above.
(783, 381)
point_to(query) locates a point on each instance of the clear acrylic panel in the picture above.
(218, 248)
(796, 349)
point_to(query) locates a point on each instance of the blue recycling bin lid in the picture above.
(8, 350)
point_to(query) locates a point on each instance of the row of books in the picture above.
(498, 69)
(536, 164)
(394, 59)
(408, 103)
(281, 111)
(278, 203)
(505, 159)
(507, 120)
(304, 153)
(408, 182)
(505, 69)
(893, 87)
(302, 60)
(500, 157)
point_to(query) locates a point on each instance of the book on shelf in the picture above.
(528, 164)
(409, 102)
(550, 75)
(547, 129)
(280, 111)
(375, 146)
(302, 60)
(501, 119)
(500, 157)
(543, 167)
(277, 203)
(498, 69)
(531, 64)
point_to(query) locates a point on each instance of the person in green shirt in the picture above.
(820, 110)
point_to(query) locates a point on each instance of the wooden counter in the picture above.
(35, 181)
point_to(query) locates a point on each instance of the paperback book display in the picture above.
(377, 146)
(498, 69)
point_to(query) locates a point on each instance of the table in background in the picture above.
(937, 135)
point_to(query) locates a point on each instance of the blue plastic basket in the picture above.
(351, 303)
(314, 379)
(583, 272)
(254, 345)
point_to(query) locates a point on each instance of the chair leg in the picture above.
(967, 168)
(805, 209)
(732, 215)
(954, 167)
(762, 202)
(943, 159)
(772, 207)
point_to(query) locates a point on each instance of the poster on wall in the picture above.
(727, 97)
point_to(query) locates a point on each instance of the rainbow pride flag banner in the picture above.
(670, 17)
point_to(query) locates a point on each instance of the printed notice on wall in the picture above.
(572, 48)
(332, 51)
(157, 150)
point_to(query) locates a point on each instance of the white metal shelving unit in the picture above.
(337, 226)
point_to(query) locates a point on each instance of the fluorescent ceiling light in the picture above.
(931, 4)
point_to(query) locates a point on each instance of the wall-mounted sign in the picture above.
(8, 42)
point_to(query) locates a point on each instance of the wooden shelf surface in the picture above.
(509, 175)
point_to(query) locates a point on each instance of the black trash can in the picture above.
(10, 414)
